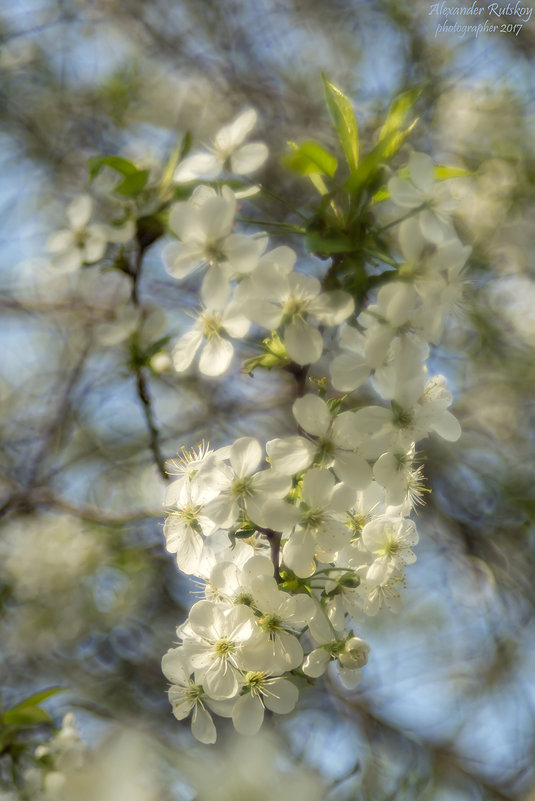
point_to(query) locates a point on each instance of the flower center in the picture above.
(270, 623)
(294, 307)
(245, 599)
(241, 487)
(211, 326)
(224, 648)
(326, 450)
(392, 547)
(312, 518)
(194, 692)
(213, 253)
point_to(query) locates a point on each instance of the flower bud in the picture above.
(355, 654)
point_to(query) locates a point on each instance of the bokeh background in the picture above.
(89, 598)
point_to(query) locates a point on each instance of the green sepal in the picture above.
(274, 355)
(334, 404)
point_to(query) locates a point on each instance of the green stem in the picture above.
(296, 229)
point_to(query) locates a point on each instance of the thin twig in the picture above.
(142, 385)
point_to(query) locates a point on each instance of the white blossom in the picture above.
(227, 147)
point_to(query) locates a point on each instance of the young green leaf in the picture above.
(134, 179)
(29, 716)
(397, 114)
(443, 173)
(310, 158)
(116, 163)
(37, 698)
(132, 184)
(341, 111)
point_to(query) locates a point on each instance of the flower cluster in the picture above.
(295, 540)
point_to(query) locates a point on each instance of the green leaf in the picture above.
(38, 698)
(443, 173)
(324, 243)
(132, 184)
(397, 114)
(381, 153)
(134, 179)
(341, 111)
(116, 163)
(30, 716)
(310, 158)
(380, 195)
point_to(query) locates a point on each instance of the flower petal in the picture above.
(248, 714)
(312, 414)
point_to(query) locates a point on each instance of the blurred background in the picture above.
(89, 598)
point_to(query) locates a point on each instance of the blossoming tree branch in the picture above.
(293, 540)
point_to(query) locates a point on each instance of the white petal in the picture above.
(432, 229)
(331, 308)
(303, 342)
(243, 252)
(291, 454)
(350, 678)
(281, 516)
(348, 372)
(447, 426)
(316, 662)
(249, 158)
(182, 258)
(186, 348)
(248, 714)
(68, 261)
(234, 323)
(422, 171)
(281, 258)
(233, 134)
(79, 212)
(174, 666)
(95, 243)
(217, 216)
(319, 625)
(180, 704)
(216, 356)
(298, 554)
(353, 470)
(404, 194)
(281, 697)
(121, 233)
(312, 414)
(411, 240)
(188, 554)
(398, 300)
(202, 726)
(198, 165)
(318, 485)
(61, 241)
(221, 680)
(245, 456)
